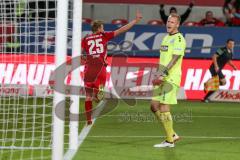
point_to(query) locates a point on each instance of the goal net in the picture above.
(27, 48)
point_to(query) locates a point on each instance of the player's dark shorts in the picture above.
(94, 77)
(214, 73)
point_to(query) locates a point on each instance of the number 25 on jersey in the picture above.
(96, 46)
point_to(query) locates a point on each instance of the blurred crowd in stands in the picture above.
(231, 11)
(41, 8)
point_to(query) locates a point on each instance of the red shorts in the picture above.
(94, 77)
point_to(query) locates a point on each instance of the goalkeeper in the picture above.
(220, 59)
(165, 93)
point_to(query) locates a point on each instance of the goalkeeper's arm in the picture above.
(172, 63)
(164, 72)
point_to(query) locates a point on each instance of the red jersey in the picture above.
(95, 46)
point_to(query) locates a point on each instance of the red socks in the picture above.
(88, 110)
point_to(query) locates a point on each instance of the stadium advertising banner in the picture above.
(122, 72)
(225, 96)
(202, 42)
(141, 40)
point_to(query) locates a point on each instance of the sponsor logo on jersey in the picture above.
(164, 48)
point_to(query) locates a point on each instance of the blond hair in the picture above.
(176, 16)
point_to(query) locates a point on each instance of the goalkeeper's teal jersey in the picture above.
(173, 45)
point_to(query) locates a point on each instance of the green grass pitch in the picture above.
(208, 131)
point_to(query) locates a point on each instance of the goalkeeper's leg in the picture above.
(160, 105)
(164, 116)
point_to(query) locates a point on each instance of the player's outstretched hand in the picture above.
(138, 16)
(191, 4)
(157, 80)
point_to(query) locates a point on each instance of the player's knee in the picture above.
(88, 98)
(154, 107)
(164, 108)
(223, 82)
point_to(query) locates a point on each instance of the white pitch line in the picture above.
(84, 132)
(185, 137)
(217, 117)
(122, 115)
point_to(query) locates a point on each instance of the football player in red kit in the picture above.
(95, 47)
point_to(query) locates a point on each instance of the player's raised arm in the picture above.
(129, 25)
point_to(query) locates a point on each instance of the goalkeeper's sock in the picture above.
(166, 119)
(88, 110)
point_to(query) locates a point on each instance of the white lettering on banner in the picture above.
(158, 40)
(2, 72)
(6, 72)
(193, 79)
(113, 47)
(228, 76)
(132, 73)
(206, 38)
(206, 77)
(139, 41)
(78, 77)
(146, 76)
(35, 74)
(152, 76)
(236, 82)
(118, 75)
(20, 75)
(46, 76)
(131, 77)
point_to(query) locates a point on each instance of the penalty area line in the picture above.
(129, 114)
(185, 137)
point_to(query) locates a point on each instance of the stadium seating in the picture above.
(119, 21)
(6, 29)
(87, 20)
(235, 21)
(155, 22)
(190, 23)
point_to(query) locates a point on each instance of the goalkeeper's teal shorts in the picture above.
(165, 93)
